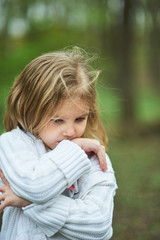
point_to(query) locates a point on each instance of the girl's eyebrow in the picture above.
(83, 115)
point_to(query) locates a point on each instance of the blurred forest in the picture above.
(125, 35)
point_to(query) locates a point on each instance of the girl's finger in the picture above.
(2, 188)
(102, 159)
(3, 178)
(2, 206)
(1, 197)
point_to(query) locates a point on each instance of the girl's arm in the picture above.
(89, 215)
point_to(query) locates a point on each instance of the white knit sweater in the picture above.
(44, 178)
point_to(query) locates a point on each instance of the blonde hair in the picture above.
(44, 83)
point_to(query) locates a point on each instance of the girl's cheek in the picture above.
(81, 132)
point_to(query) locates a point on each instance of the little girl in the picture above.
(52, 154)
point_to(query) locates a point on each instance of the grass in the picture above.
(136, 164)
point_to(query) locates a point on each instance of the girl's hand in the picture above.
(92, 145)
(8, 197)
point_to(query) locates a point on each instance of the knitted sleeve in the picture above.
(40, 177)
(87, 217)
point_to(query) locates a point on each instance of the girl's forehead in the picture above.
(72, 106)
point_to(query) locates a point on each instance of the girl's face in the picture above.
(69, 122)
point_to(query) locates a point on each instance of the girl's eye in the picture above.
(80, 119)
(57, 121)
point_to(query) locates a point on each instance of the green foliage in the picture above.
(147, 105)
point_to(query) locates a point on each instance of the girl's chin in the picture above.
(54, 145)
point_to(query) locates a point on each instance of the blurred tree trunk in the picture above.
(154, 56)
(125, 76)
(123, 42)
(118, 42)
(4, 38)
(103, 31)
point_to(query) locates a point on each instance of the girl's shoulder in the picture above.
(20, 141)
(14, 134)
(17, 137)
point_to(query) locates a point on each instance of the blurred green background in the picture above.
(125, 34)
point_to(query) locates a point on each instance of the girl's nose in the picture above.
(69, 132)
